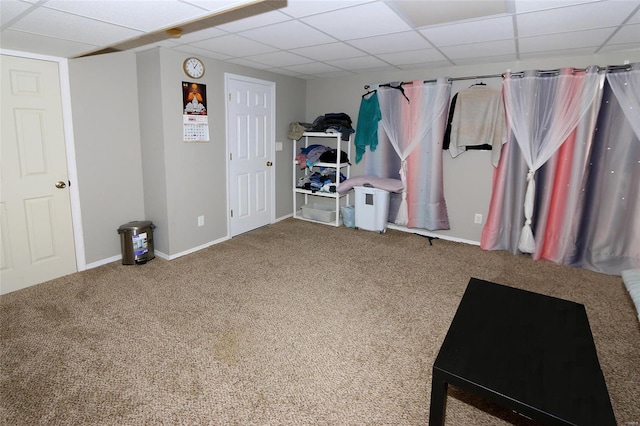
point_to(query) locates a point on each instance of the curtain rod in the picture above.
(608, 68)
(434, 80)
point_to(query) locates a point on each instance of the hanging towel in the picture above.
(447, 132)
(478, 119)
(367, 127)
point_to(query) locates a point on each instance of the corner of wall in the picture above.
(152, 143)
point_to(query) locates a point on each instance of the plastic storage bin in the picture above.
(372, 208)
(319, 212)
(136, 240)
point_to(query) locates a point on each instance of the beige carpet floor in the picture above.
(294, 323)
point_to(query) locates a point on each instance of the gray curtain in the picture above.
(608, 234)
(412, 129)
(587, 211)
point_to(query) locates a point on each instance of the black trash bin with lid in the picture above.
(136, 240)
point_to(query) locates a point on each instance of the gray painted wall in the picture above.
(152, 136)
(132, 163)
(468, 177)
(106, 126)
(192, 176)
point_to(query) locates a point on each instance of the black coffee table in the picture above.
(531, 353)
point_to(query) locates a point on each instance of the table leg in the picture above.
(438, 405)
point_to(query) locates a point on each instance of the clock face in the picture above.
(193, 67)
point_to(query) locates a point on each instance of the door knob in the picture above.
(60, 184)
(269, 164)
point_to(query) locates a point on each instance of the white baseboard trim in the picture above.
(220, 240)
(158, 254)
(103, 262)
(192, 250)
(161, 255)
(431, 234)
(204, 246)
(279, 219)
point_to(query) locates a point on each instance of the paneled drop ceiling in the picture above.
(322, 38)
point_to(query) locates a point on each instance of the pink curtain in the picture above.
(587, 210)
(542, 109)
(409, 147)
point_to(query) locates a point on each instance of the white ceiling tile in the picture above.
(328, 52)
(436, 64)
(140, 15)
(470, 32)
(217, 5)
(635, 19)
(288, 35)
(169, 44)
(557, 53)
(384, 68)
(578, 39)
(389, 43)
(10, 9)
(279, 59)
(250, 64)
(52, 23)
(343, 36)
(627, 34)
(485, 60)
(361, 21)
(312, 68)
(574, 18)
(522, 6)
(631, 48)
(412, 57)
(301, 8)
(341, 73)
(200, 35)
(234, 46)
(286, 72)
(26, 42)
(479, 50)
(197, 51)
(255, 21)
(359, 63)
(433, 12)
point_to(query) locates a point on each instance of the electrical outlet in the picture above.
(200, 220)
(477, 218)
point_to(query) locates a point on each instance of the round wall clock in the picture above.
(193, 67)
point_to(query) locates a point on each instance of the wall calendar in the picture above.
(195, 121)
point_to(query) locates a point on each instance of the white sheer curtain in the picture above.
(408, 113)
(542, 110)
(626, 87)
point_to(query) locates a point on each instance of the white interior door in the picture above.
(36, 231)
(250, 139)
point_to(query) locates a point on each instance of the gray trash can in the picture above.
(136, 240)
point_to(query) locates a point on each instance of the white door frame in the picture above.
(272, 137)
(72, 171)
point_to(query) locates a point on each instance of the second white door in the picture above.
(36, 238)
(250, 139)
